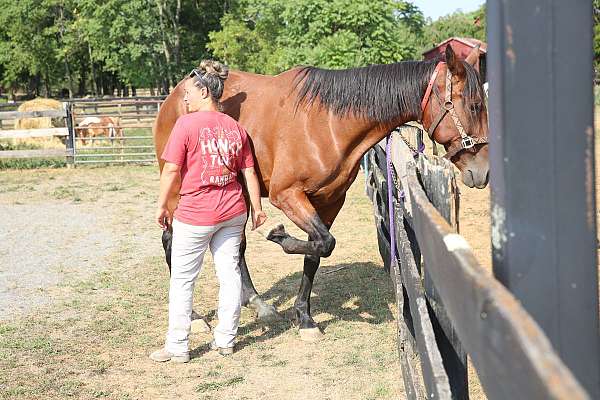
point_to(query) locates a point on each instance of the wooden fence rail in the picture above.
(448, 306)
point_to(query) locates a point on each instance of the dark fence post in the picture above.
(542, 171)
(70, 142)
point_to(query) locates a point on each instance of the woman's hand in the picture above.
(258, 219)
(164, 219)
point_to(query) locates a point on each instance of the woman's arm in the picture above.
(258, 215)
(169, 176)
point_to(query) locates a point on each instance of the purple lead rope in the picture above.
(390, 187)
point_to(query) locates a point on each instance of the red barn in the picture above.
(462, 47)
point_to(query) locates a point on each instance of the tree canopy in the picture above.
(78, 47)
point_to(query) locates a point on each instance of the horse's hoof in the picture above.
(264, 311)
(200, 326)
(311, 335)
(276, 232)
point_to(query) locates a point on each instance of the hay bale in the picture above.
(39, 104)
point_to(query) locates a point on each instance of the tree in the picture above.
(458, 24)
(269, 36)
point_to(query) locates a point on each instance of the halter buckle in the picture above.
(467, 142)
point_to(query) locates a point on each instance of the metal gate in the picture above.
(112, 131)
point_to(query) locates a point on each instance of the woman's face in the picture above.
(194, 97)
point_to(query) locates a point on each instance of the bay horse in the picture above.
(309, 129)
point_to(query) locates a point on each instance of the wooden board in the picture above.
(33, 133)
(32, 114)
(513, 357)
(44, 153)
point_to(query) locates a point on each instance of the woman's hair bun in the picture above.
(215, 68)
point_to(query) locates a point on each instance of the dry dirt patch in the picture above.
(105, 310)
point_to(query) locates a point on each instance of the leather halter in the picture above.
(447, 107)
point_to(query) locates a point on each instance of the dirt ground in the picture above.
(85, 301)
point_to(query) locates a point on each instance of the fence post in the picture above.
(70, 142)
(542, 171)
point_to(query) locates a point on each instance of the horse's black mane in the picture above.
(378, 92)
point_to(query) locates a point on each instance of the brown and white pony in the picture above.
(309, 129)
(109, 127)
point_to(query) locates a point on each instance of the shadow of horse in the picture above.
(355, 292)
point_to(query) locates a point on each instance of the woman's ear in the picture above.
(204, 92)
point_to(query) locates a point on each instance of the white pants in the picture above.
(189, 245)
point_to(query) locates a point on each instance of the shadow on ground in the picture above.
(358, 292)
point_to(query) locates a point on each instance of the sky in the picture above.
(437, 8)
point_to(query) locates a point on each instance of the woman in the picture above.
(206, 150)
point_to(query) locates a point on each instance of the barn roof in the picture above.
(470, 42)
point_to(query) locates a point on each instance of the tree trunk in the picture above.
(82, 83)
(36, 84)
(102, 88)
(61, 31)
(47, 84)
(95, 87)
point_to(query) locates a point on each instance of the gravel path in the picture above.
(63, 229)
(44, 245)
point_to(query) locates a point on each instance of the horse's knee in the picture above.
(327, 246)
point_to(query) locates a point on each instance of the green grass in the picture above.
(208, 386)
(91, 152)
(12, 145)
(32, 163)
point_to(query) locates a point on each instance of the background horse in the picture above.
(310, 127)
(100, 126)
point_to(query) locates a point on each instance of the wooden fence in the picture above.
(134, 117)
(448, 306)
(34, 133)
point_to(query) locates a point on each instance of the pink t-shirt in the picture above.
(211, 147)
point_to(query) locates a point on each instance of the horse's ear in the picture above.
(454, 64)
(473, 56)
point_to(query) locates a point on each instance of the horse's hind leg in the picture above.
(250, 297)
(167, 242)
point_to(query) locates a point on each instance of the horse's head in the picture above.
(455, 115)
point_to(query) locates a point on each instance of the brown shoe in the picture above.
(163, 355)
(224, 351)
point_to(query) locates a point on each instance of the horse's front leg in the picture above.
(298, 208)
(309, 330)
(320, 243)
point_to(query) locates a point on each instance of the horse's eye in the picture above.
(475, 107)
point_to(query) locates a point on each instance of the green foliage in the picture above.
(270, 36)
(90, 46)
(458, 24)
(32, 163)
